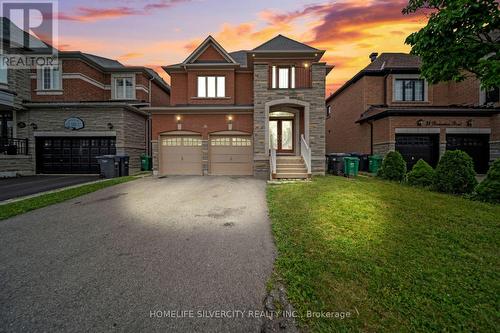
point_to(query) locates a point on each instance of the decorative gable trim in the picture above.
(203, 46)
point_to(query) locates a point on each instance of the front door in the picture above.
(281, 135)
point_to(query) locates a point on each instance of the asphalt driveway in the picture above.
(19, 187)
(130, 257)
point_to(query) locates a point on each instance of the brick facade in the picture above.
(372, 92)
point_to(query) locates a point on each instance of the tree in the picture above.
(461, 37)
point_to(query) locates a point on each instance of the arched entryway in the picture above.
(286, 121)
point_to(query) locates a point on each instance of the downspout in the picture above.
(371, 137)
(149, 146)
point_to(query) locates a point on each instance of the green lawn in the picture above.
(397, 258)
(26, 205)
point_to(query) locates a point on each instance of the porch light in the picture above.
(306, 65)
(230, 118)
(178, 118)
(229, 122)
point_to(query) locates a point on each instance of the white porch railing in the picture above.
(305, 151)
(272, 161)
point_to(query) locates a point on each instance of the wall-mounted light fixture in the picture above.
(179, 123)
(21, 124)
(34, 126)
(230, 122)
(110, 126)
(306, 65)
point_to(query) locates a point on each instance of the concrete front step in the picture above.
(295, 160)
(291, 175)
(291, 170)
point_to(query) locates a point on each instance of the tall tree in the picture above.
(461, 37)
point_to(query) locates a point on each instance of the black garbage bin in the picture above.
(363, 161)
(122, 162)
(108, 166)
(336, 163)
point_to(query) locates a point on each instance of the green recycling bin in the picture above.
(374, 163)
(351, 166)
(145, 163)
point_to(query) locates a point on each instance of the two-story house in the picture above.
(253, 112)
(63, 117)
(387, 106)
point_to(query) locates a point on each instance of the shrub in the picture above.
(489, 189)
(455, 173)
(422, 174)
(393, 167)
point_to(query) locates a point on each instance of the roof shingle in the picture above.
(282, 43)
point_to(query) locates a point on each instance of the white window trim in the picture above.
(114, 86)
(409, 77)
(40, 80)
(275, 78)
(206, 87)
(6, 82)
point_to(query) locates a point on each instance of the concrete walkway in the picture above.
(127, 257)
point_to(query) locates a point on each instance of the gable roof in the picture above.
(203, 46)
(384, 63)
(394, 61)
(240, 57)
(282, 43)
(104, 62)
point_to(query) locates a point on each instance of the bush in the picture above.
(489, 189)
(422, 174)
(455, 173)
(393, 167)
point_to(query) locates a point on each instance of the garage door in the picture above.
(72, 155)
(231, 155)
(181, 155)
(476, 145)
(414, 147)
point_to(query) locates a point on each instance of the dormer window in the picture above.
(283, 77)
(409, 90)
(49, 78)
(124, 87)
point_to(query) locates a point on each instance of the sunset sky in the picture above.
(154, 32)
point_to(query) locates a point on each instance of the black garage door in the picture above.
(414, 147)
(72, 155)
(476, 145)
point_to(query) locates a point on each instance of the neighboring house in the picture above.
(387, 107)
(65, 116)
(250, 112)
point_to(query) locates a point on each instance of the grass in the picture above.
(26, 205)
(396, 258)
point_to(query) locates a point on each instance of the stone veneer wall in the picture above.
(128, 126)
(315, 96)
(19, 81)
(16, 165)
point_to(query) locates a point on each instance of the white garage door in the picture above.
(181, 155)
(231, 155)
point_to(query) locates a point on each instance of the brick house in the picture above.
(256, 112)
(57, 119)
(387, 106)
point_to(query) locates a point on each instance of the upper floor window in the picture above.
(50, 78)
(493, 95)
(124, 87)
(328, 110)
(211, 86)
(283, 77)
(409, 90)
(3, 74)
